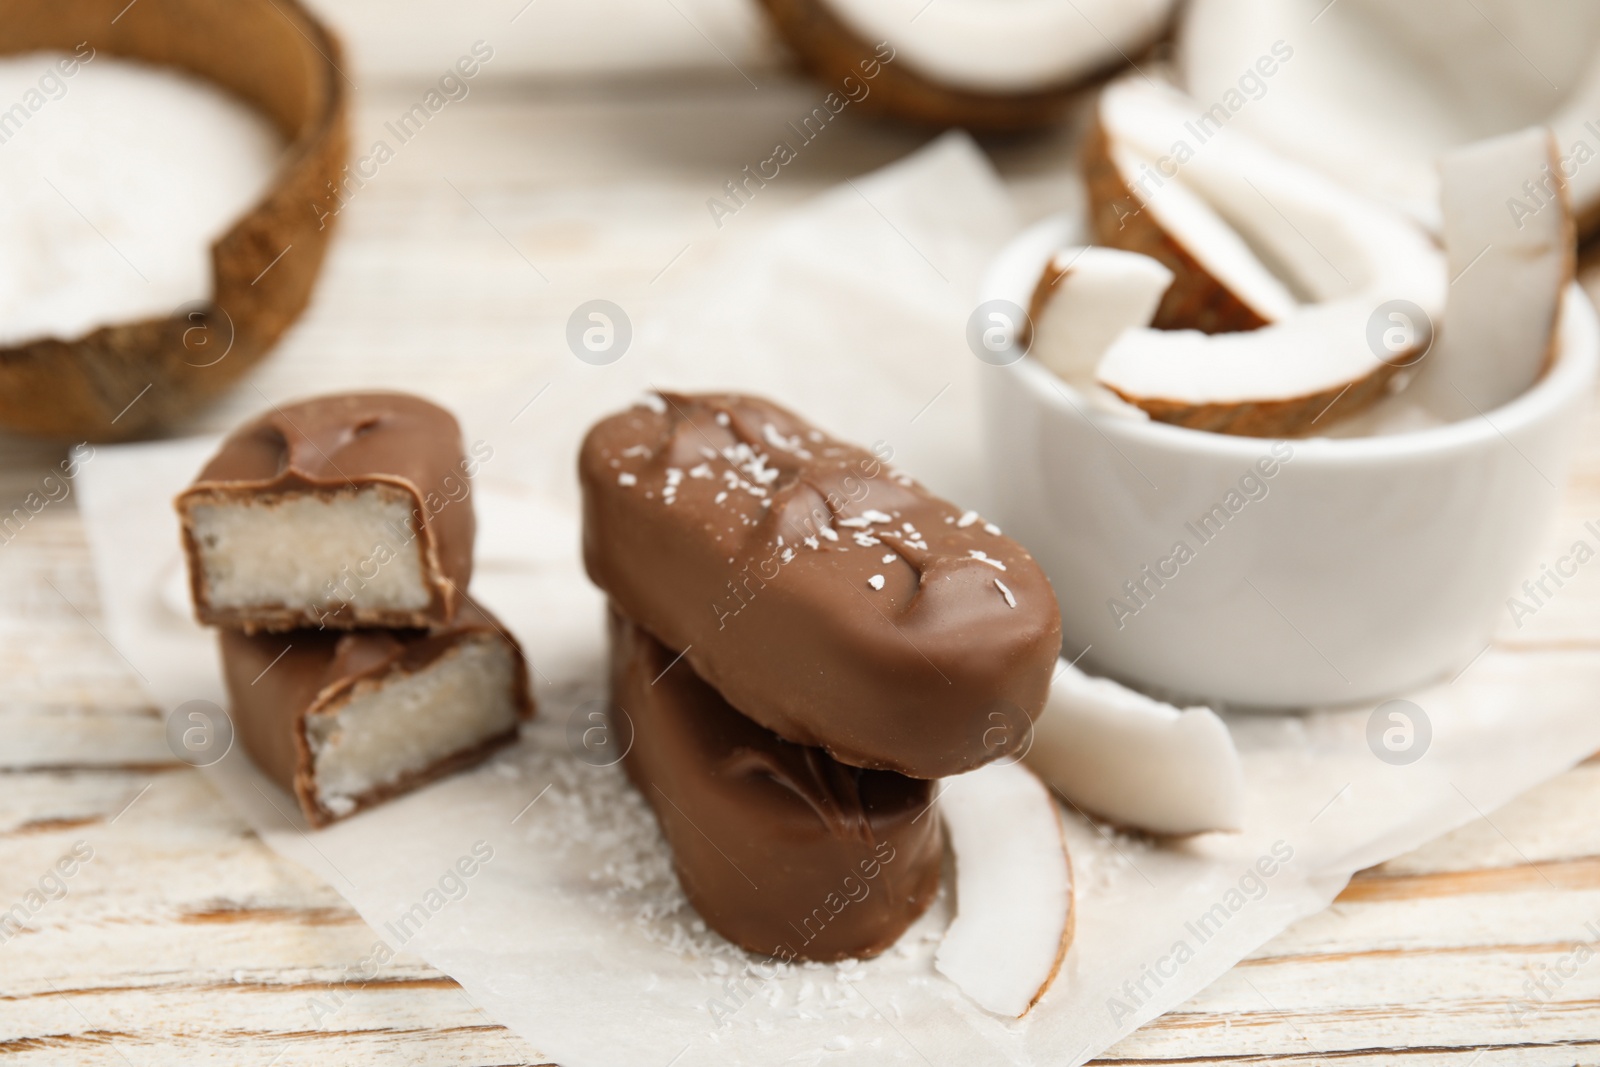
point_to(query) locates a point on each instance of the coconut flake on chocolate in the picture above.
(1014, 900)
(1228, 355)
(1135, 761)
(1509, 271)
(770, 577)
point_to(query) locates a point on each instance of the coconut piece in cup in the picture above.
(1279, 274)
(1509, 271)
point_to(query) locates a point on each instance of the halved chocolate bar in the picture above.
(781, 849)
(825, 595)
(341, 511)
(347, 720)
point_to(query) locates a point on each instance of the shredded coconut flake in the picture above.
(627, 479)
(876, 581)
(1011, 601)
(967, 519)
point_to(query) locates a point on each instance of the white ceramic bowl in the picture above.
(1359, 568)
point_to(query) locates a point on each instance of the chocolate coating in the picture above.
(781, 849)
(335, 444)
(271, 691)
(829, 598)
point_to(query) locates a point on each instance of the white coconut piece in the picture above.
(1083, 302)
(1371, 92)
(1348, 255)
(1202, 231)
(1008, 47)
(1136, 761)
(1512, 256)
(1014, 902)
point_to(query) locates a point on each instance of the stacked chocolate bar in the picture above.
(330, 542)
(802, 639)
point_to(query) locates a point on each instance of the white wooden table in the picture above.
(185, 940)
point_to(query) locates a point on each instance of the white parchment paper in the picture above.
(571, 929)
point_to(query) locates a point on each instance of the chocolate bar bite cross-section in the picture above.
(341, 511)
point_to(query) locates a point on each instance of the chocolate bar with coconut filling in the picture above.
(828, 597)
(345, 720)
(780, 848)
(340, 511)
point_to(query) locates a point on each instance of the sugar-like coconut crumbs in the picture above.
(876, 581)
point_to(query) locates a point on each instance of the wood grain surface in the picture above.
(184, 940)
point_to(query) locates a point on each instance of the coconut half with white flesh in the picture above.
(982, 64)
(1510, 264)
(1279, 273)
(1372, 92)
(1083, 302)
(1135, 761)
(132, 378)
(1014, 900)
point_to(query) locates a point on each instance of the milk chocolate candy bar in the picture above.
(346, 720)
(342, 511)
(781, 849)
(828, 597)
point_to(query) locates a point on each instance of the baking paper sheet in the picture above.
(573, 932)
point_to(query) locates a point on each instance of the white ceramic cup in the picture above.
(1353, 568)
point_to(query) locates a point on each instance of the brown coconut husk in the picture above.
(132, 379)
(831, 51)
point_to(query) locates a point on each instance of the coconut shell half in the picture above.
(132, 379)
(831, 51)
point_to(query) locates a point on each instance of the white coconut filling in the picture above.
(1013, 887)
(117, 176)
(1137, 761)
(1006, 46)
(306, 551)
(407, 723)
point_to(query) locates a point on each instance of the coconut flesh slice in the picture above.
(1014, 902)
(1510, 263)
(1084, 300)
(1135, 761)
(1372, 92)
(1344, 256)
